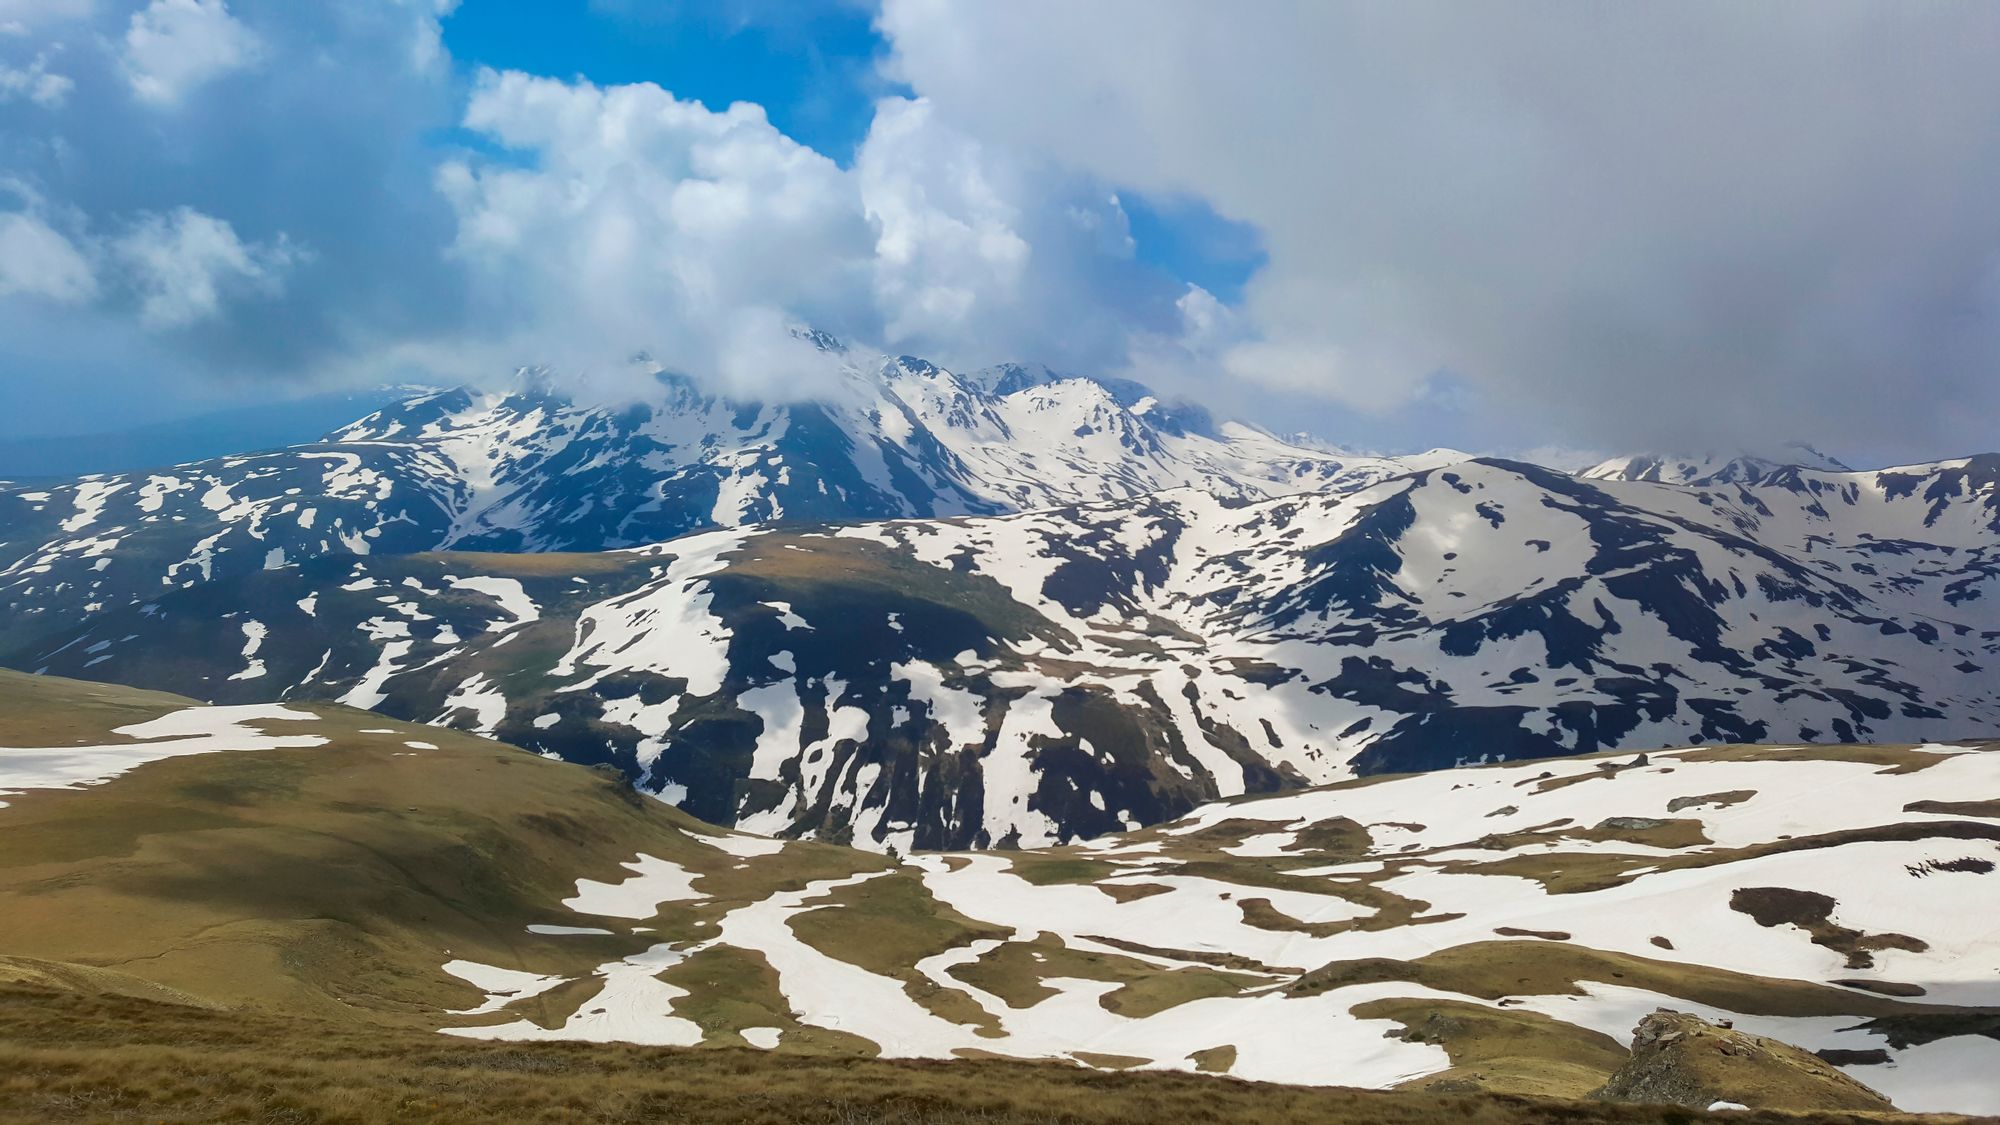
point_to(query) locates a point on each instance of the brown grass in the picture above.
(1502, 1051)
(1016, 970)
(546, 564)
(1987, 809)
(72, 1058)
(1494, 970)
(45, 711)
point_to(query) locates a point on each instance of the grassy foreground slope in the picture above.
(73, 1057)
(330, 880)
(275, 927)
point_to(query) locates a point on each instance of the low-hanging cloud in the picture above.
(618, 220)
(1654, 223)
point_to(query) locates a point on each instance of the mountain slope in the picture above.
(1713, 468)
(1495, 929)
(1057, 675)
(532, 470)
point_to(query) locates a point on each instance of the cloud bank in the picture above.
(1650, 222)
(1701, 224)
(607, 221)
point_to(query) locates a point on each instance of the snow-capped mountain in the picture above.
(532, 470)
(1714, 468)
(1041, 677)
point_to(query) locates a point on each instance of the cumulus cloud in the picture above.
(982, 253)
(1657, 222)
(195, 222)
(173, 269)
(641, 222)
(622, 219)
(39, 261)
(20, 17)
(183, 263)
(35, 82)
(945, 231)
(173, 46)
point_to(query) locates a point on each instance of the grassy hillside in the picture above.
(277, 928)
(78, 1058)
(327, 881)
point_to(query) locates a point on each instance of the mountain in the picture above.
(1057, 675)
(318, 882)
(532, 470)
(1712, 469)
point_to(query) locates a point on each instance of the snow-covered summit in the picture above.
(1708, 469)
(895, 437)
(536, 467)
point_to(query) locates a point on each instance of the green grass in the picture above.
(47, 711)
(314, 894)
(731, 989)
(1045, 869)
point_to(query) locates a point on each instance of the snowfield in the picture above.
(196, 730)
(1825, 896)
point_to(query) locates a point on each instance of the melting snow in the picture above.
(196, 730)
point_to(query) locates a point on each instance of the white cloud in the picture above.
(983, 253)
(183, 264)
(946, 236)
(19, 17)
(39, 261)
(35, 82)
(174, 46)
(639, 222)
(648, 223)
(1656, 220)
(427, 45)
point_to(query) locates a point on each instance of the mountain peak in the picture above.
(1713, 468)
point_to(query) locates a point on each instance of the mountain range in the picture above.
(1011, 608)
(533, 470)
(997, 716)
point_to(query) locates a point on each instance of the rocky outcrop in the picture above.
(1681, 1059)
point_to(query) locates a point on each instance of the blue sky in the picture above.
(1395, 226)
(814, 67)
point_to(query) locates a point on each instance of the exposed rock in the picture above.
(1719, 800)
(1681, 1059)
(1631, 823)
